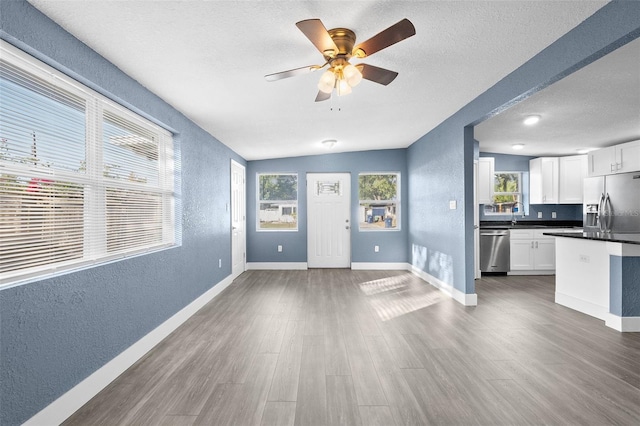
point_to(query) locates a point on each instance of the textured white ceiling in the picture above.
(594, 107)
(208, 59)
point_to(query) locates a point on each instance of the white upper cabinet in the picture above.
(628, 157)
(615, 159)
(543, 180)
(602, 161)
(486, 172)
(573, 170)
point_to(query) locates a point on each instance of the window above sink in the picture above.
(507, 194)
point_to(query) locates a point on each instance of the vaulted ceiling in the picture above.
(208, 60)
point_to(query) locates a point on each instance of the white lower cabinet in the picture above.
(532, 252)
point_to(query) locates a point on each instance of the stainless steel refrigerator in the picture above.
(612, 203)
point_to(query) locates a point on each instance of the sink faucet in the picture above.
(514, 221)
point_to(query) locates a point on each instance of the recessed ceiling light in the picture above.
(329, 143)
(517, 146)
(531, 120)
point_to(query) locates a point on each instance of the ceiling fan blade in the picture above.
(392, 35)
(291, 73)
(322, 96)
(316, 32)
(376, 74)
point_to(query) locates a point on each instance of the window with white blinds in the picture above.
(82, 180)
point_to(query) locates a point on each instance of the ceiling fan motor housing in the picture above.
(344, 40)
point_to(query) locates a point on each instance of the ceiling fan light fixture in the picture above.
(352, 75)
(343, 87)
(337, 47)
(327, 81)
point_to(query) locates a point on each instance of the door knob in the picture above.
(346, 227)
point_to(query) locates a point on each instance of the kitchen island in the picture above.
(599, 274)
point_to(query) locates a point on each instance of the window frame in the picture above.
(520, 194)
(94, 231)
(396, 202)
(259, 202)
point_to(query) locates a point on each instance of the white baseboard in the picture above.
(623, 324)
(457, 295)
(543, 272)
(380, 266)
(597, 311)
(63, 407)
(283, 266)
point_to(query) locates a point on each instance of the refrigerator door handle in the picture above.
(601, 213)
(609, 210)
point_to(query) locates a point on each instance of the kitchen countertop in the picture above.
(599, 236)
(531, 224)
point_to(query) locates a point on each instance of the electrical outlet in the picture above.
(584, 258)
(453, 205)
(539, 215)
(279, 249)
(553, 215)
(219, 263)
(376, 249)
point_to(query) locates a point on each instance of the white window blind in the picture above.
(82, 179)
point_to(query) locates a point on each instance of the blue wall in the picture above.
(261, 246)
(440, 163)
(520, 163)
(55, 332)
(624, 286)
(509, 163)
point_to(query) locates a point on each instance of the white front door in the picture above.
(238, 221)
(328, 220)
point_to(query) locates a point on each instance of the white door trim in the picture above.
(238, 215)
(476, 224)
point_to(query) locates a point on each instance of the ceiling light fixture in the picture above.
(329, 143)
(342, 76)
(517, 146)
(531, 120)
(584, 150)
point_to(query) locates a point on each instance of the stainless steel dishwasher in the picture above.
(494, 250)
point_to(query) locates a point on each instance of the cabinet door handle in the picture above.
(613, 166)
(531, 244)
(536, 244)
(618, 166)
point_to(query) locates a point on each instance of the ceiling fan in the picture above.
(337, 47)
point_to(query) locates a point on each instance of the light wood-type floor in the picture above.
(379, 348)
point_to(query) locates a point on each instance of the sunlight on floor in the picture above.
(399, 295)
